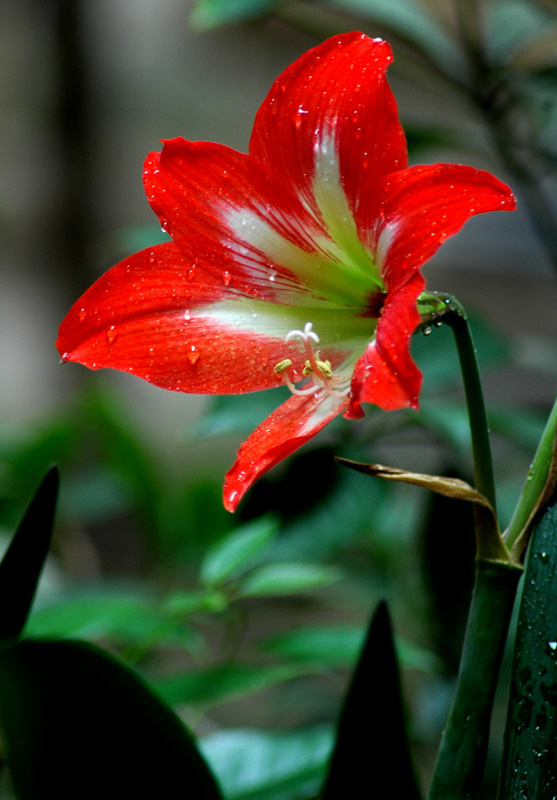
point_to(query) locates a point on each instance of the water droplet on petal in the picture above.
(193, 355)
(111, 334)
(82, 314)
(226, 277)
(190, 274)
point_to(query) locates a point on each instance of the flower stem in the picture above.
(481, 448)
(461, 758)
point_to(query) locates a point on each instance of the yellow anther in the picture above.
(282, 365)
(325, 368)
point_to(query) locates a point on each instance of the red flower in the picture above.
(298, 263)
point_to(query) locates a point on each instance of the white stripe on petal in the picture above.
(383, 244)
(321, 273)
(337, 215)
(338, 328)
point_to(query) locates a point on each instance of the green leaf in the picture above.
(23, 562)
(209, 14)
(78, 723)
(130, 617)
(529, 758)
(280, 579)
(253, 765)
(511, 23)
(211, 685)
(371, 755)
(239, 550)
(339, 646)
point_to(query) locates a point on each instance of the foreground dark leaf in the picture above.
(24, 559)
(78, 723)
(530, 751)
(371, 756)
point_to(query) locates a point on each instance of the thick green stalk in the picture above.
(461, 758)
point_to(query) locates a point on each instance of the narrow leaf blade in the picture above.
(24, 559)
(372, 755)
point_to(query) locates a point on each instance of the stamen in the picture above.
(320, 372)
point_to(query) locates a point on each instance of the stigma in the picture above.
(321, 379)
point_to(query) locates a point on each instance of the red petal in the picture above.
(151, 316)
(338, 90)
(420, 207)
(223, 208)
(386, 375)
(284, 431)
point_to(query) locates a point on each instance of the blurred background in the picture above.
(249, 624)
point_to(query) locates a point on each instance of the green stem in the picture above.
(481, 448)
(461, 758)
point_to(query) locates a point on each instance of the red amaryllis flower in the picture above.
(298, 263)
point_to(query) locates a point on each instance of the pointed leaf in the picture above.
(530, 755)
(78, 721)
(371, 755)
(24, 559)
(289, 578)
(239, 550)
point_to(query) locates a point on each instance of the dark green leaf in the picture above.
(371, 754)
(530, 751)
(79, 724)
(23, 562)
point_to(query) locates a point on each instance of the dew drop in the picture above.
(111, 334)
(426, 331)
(82, 314)
(226, 277)
(187, 315)
(544, 557)
(193, 355)
(190, 274)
